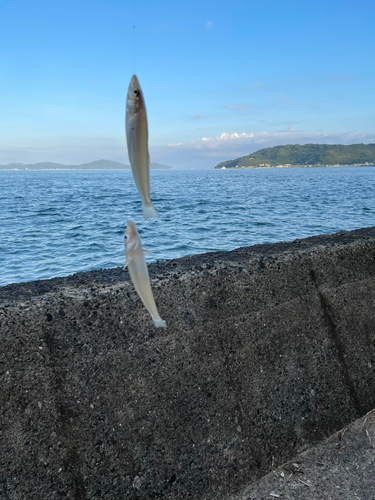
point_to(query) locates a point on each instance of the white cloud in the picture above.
(286, 136)
(198, 117)
(208, 25)
(234, 136)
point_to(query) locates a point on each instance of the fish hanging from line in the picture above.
(136, 263)
(137, 141)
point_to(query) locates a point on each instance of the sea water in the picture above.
(54, 223)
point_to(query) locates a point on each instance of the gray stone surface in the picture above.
(269, 349)
(340, 468)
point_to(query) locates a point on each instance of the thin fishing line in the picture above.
(134, 41)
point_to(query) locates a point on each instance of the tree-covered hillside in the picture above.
(307, 154)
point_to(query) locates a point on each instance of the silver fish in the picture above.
(137, 140)
(136, 263)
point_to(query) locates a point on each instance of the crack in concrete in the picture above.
(339, 346)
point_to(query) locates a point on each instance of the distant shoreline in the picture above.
(296, 166)
(93, 165)
(73, 169)
(171, 168)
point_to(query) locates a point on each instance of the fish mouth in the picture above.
(134, 82)
(130, 230)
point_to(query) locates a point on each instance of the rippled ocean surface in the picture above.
(55, 223)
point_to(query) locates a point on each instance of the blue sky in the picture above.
(221, 79)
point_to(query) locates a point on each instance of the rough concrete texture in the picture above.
(341, 468)
(268, 350)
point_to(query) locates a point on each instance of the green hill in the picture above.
(305, 155)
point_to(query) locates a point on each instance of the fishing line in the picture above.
(134, 42)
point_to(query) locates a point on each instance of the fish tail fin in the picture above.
(159, 323)
(149, 211)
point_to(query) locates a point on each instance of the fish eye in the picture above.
(135, 91)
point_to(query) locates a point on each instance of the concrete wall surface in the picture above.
(268, 350)
(339, 468)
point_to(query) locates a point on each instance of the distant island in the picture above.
(93, 165)
(307, 155)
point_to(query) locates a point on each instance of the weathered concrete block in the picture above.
(268, 350)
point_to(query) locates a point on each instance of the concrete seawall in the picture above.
(268, 350)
